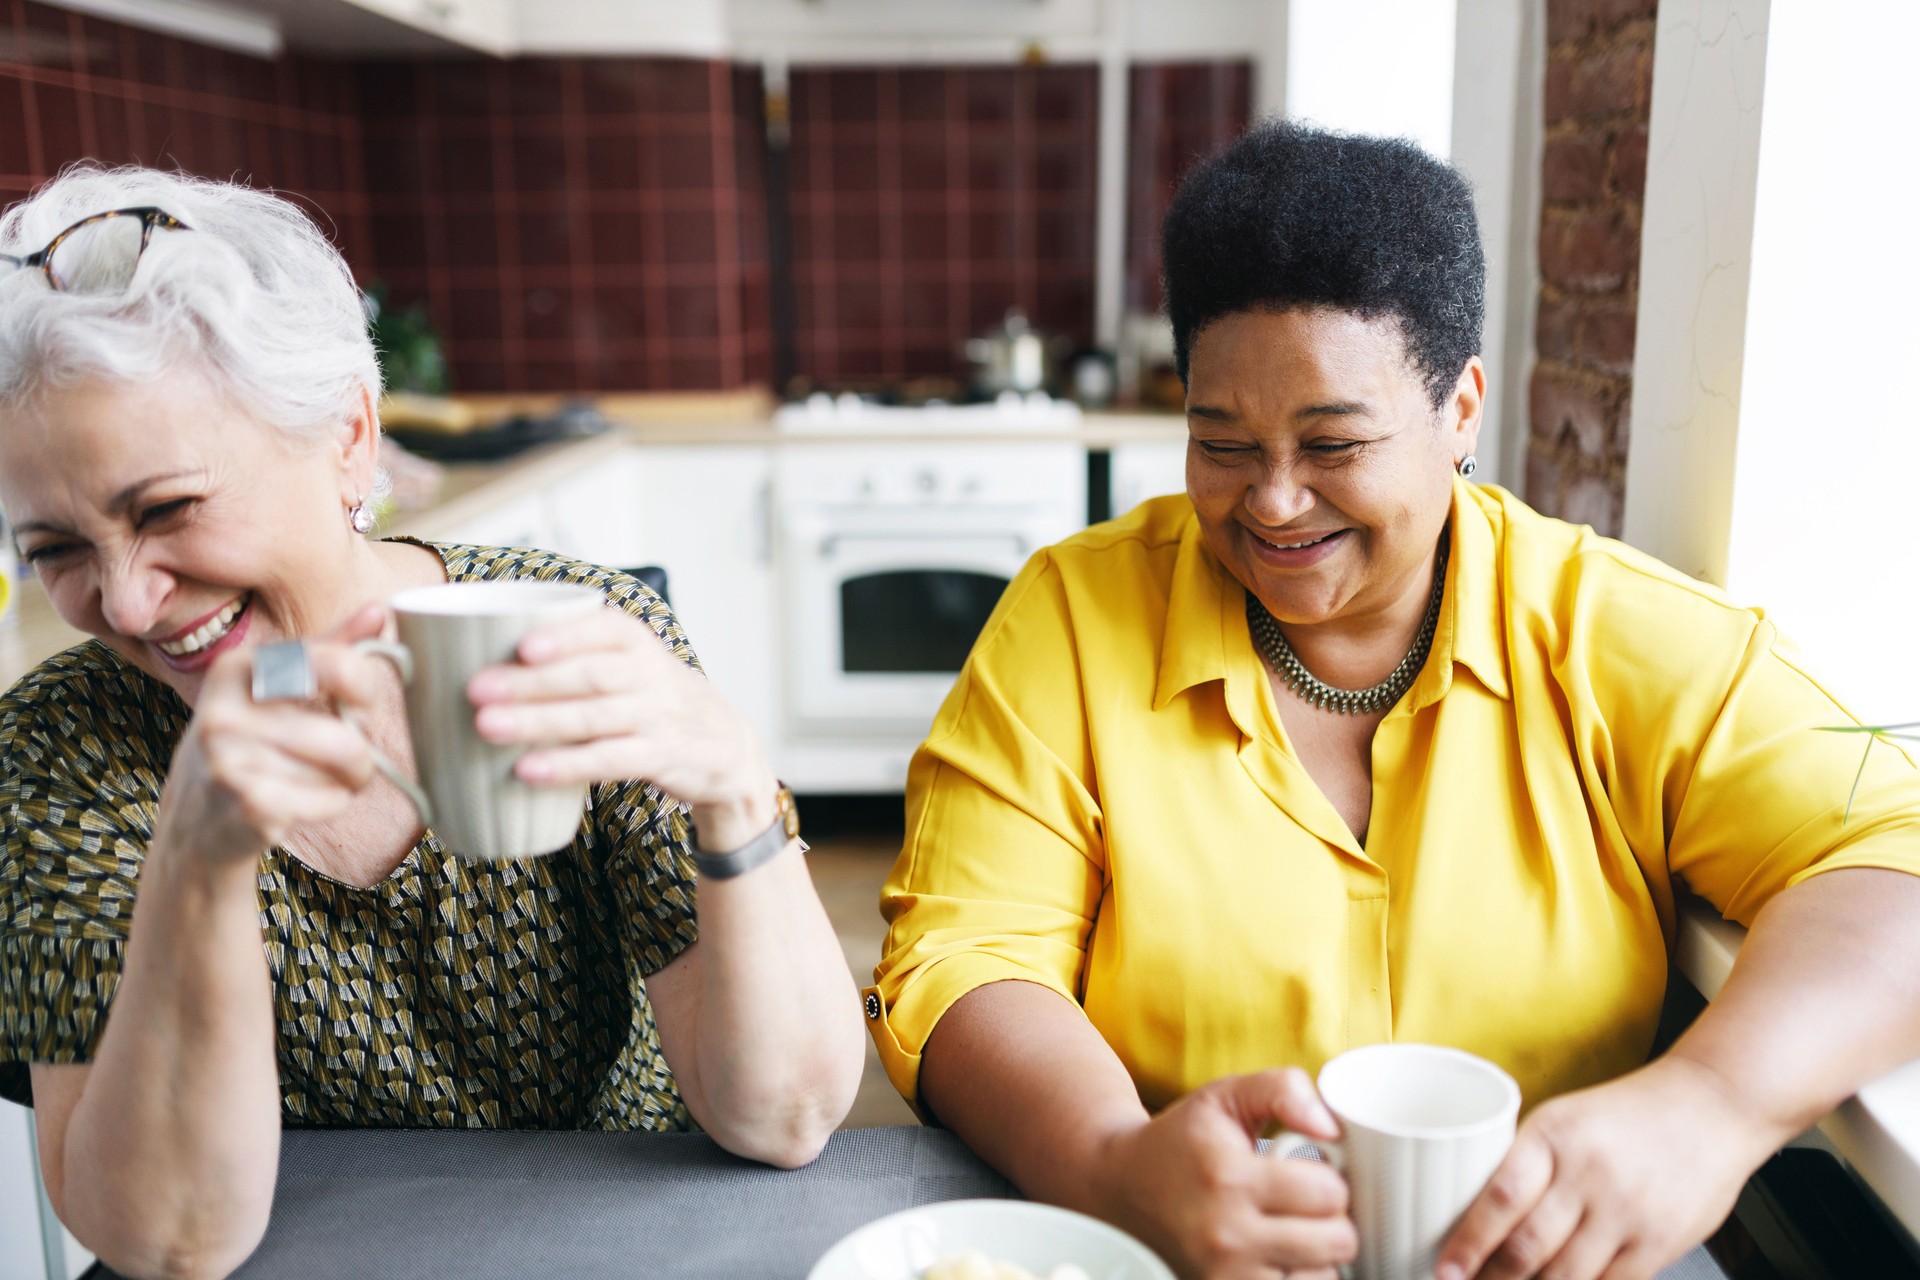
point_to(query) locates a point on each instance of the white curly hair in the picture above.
(251, 291)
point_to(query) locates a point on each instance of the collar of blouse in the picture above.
(1206, 632)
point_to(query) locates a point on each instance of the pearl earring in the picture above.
(1467, 466)
(360, 517)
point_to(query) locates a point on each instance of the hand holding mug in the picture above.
(1192, 1183)
(248, 773)
(1612, 1182)
(603, 697)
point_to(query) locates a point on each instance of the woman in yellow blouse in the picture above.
(1338, 749)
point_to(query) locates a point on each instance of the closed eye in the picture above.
(161, 512)
(1333, 448)
(1218, 448)
(47, 552)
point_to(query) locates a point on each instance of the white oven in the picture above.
(891, 554)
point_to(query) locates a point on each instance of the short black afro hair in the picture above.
(1292, 216)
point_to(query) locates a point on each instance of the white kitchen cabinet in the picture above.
(1145, 469)
(683, 28)
(701, 513)
(592, 514)
(523, 522)
(798, 23)
(490, 26)
(586, 512)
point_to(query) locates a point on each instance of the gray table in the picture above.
(481, 1204)
(484, 1204)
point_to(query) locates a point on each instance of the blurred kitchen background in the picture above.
(828, 313)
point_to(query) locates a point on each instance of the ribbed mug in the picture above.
(1422, 1130)
(479, 807)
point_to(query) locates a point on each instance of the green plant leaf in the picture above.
(1874, 732)
(1855, 788)
(410, 352)
(1875, 729)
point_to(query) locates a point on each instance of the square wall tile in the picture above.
(971, 177)
(1178, 113)
(613, 162)
(47, 38)
(16, 148)
(610, 86)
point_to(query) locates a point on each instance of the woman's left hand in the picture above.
(603, 697)
(1613, 1182)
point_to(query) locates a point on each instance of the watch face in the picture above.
(789, 812)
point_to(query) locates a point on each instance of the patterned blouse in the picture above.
(452, 993)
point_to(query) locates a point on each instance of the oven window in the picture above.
(913, 619)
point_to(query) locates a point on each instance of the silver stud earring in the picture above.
(1467, 466)
(360, 517)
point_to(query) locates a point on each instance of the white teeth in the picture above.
(206, 633)
(1295, 546)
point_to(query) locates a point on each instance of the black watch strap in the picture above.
(761, 849)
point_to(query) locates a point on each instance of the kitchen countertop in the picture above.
(1096, 431)
(747, 417)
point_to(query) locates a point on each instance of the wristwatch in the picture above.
(762, 848)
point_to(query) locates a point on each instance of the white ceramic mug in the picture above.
(475, 803)
(1422, 1129)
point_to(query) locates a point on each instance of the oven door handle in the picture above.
(831, 541)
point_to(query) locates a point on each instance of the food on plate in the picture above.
(974, 1265)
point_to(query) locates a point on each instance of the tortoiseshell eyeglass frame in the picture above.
(149, 219)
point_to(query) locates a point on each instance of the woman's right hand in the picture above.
(1192, 1184)
(247, 773)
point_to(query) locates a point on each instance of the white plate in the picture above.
(1038, 1237)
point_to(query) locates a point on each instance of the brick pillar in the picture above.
(1599, 81)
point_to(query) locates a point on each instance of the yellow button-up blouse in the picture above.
(1108, 806)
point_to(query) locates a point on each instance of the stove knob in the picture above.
(927, 481)
(971, 486)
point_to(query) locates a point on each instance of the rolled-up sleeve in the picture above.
(1765, 803)
(1003, 869)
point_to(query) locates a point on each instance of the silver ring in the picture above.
(282, 673)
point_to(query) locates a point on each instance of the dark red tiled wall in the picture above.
(77, 87)
(756, 272)
(601, 223)
(1177, 113)
(926, 201)
(574, 224)
(74, 87)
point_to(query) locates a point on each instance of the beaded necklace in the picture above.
(1273, 646)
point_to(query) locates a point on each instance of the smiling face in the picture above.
(1320, 470)
(170, 525)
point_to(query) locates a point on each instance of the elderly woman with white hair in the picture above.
(216, 917)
